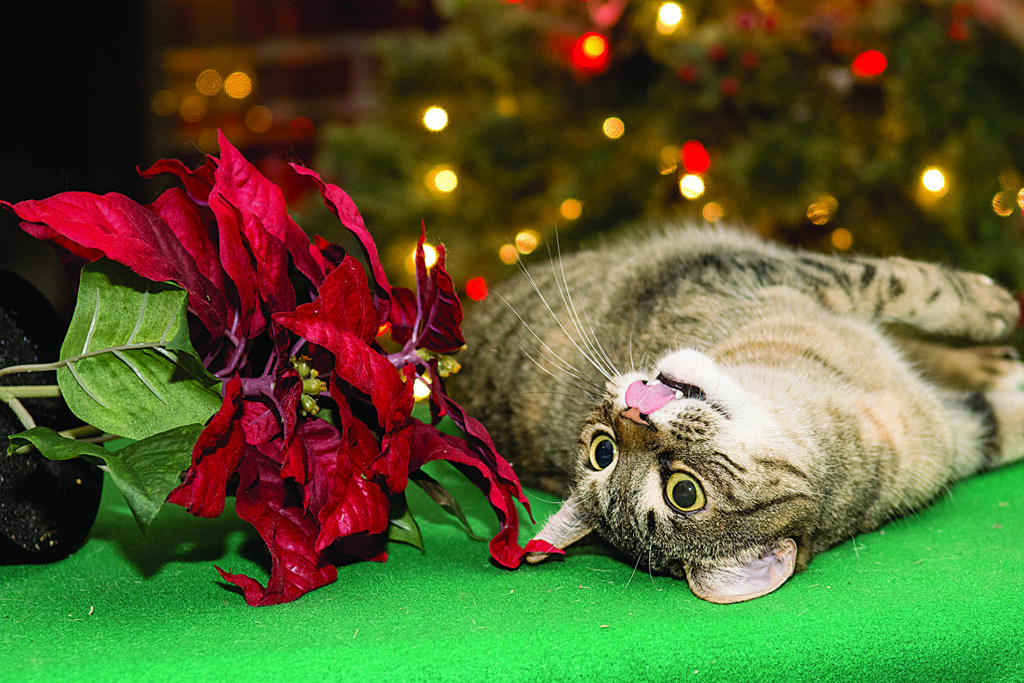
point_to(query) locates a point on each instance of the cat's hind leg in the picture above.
(970, 368)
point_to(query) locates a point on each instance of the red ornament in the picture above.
(695, 157)
(476, 288)
(590, 53)
(729, 86)
(869, 63)
(688, 73)
(958, 30)
(717, 53)
(750, 59)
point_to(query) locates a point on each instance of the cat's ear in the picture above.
(562, 529)
(738, 582)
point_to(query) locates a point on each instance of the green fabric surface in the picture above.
(936, 596)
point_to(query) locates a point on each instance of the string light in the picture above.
(590, 53)
(1002, 203)
(571, 209)
(821, 211)
(441, 179)
(713, 212)
(259, 119)
(869, 63)
(209, 82)
(435, 119)
(508, 254)
(695, 158)
(476, 289)
(527, 241)
(613, 127)
(429, 257)
(934, 181)
(842, 239)
(691, 186)
(238, 85)
(670, 16)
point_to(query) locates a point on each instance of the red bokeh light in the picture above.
(694, 157)
(590, 53)
(476, 289)
(869, 63)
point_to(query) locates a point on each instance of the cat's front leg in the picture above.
(936, 300)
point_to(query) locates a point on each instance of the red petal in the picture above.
(239, 263)
(356, 506)
(288, 531)
(113, 225)
(214, 457)
(248, 189)
(342, 206)
(342, 305)
(198, 183)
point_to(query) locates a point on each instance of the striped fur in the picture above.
(810, 419)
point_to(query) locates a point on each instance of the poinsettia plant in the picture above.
(238, 354)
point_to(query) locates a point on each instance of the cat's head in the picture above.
(685, 471)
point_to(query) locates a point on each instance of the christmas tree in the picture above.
(878, 127)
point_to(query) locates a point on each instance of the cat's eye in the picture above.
(603, 451)
(684, 493)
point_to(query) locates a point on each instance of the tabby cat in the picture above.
(722, 409)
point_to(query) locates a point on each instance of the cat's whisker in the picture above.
(596, 353)
(572, 340)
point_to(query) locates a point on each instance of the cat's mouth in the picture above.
(645, 397)
(682, 389)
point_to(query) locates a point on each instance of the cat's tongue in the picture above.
(648, 398)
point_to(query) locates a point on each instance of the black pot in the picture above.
(47, 507)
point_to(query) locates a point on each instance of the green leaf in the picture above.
(403, 527)
(441, 496)
(129, 366)
(145, 471)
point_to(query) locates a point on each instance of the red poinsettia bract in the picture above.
(262, 294)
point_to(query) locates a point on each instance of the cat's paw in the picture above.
(990, 313)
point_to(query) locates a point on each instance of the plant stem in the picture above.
(36, 367)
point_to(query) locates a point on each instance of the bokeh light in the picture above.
(508, 254)
(476, 289)
(695, 157)
(691, 186)
(713, 212)
(571, 209)
(429, 257)
(934, 181)
(842, 239)
(590, 53)
(442, 179)
(613, 127)
(670, 16)
(869, 63)
(238, 85)
(209, 82)
(192, 108)
(1003, 203)
(435, 119)
(259, 119)
(164, 103)
(527, 241)
(821, 210)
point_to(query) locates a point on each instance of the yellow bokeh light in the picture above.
(713, 212)
(934, 180)
(594, 46)
(192, 108)
(1002, 204)
(442, 179)
(670, 16)
(506, 106)
(1020, 198)
(691, 186)
(508, 254)
(421, 388)
(668, 159)
(209, 82)
(613, 127)
(164, 103)
(259, 119)
(527, 241)
(821, 211)
(842, 239)
(435, 119)
(571, 209)
(238, 85)
(429, 257)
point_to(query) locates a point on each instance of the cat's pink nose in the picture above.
(648, 397)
